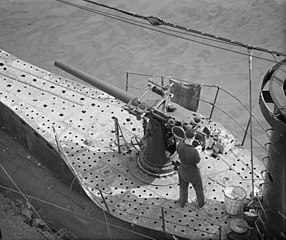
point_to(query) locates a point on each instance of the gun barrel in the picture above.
(98, 83)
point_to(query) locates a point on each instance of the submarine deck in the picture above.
(78, 121)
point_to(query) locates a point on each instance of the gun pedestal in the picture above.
(154, 158)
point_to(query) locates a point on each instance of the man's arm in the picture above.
(200, 164)
(199, 148)
(199, 159)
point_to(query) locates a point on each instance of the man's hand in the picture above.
(200, 164)
(199, 148)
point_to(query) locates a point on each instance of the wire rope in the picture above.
(24, 196)
(77, 213)
(141, 24)
(157, 21)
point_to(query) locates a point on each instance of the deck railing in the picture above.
(161, 218)
(164, 80)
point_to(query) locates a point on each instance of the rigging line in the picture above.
(156, 30)
(70, 187)
(24, 196)
(279, 63)
(60, 149)
(170, 210)
(70, 193)
(168, 29)
(74, 212)
(59, 84)
(63, 155)
(132, 23)
(40, 89)
(172, 30)
(85, 94)
(107, 223)
(157, 21)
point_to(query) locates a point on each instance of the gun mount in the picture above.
(159, 119)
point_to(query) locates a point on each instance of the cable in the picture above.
(26, 199)
(157, 21)
(70, 192)
(148, 18)
(140, 24)
(77, 213)
(107, 224)
(279, 63)
(62, 153)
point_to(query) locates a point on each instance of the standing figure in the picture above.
(189, 171)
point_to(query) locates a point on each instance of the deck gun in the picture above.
(165, 122)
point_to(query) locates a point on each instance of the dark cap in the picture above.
(190, 133)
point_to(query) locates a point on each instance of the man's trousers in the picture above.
(196, 181)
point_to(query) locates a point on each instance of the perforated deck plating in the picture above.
(83, 120)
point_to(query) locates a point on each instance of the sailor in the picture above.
(189, 171)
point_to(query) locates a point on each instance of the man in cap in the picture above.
(189, 171)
